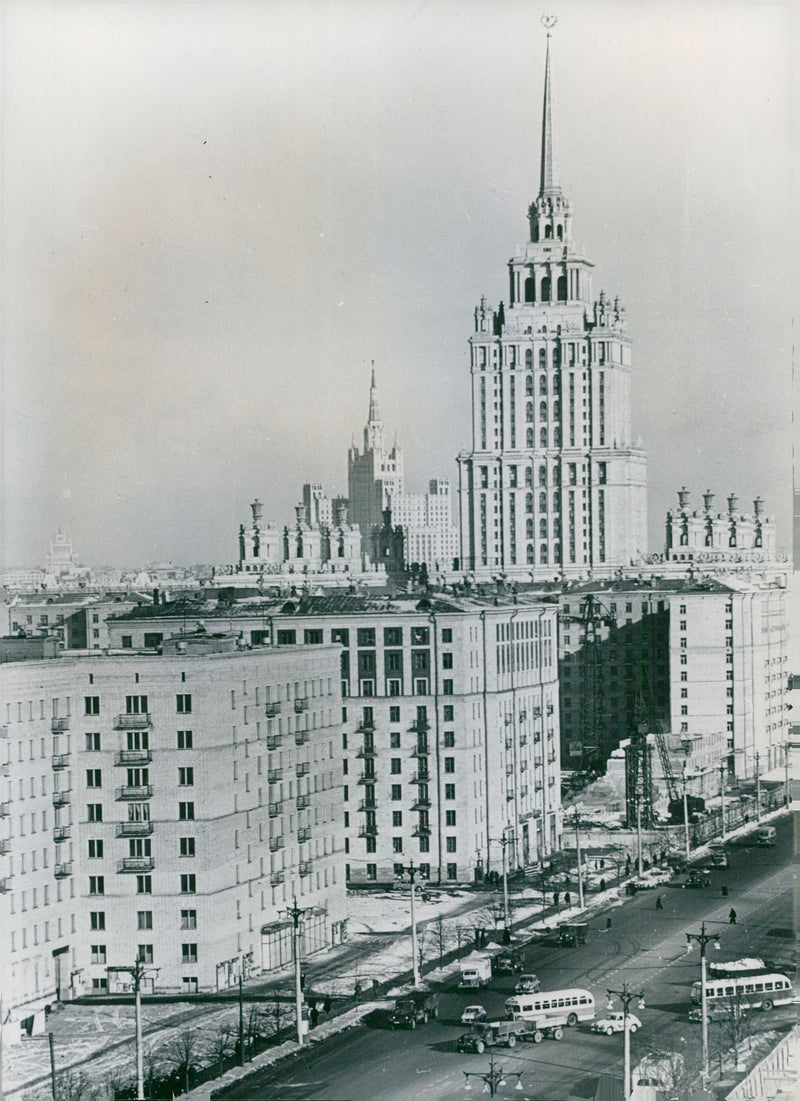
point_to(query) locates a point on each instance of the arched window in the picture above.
(560, 232)
(529, 438)
(528, 476)
(530, 289)
(543, 554)
(556, 356)
(543, 384)
(556, 410)
(529, 411)
(562, 287)
(556, 437)
(530, 554)
(542, 502)
(545, 295)
(536, 232)
(529, 502)
(543, 358)
(528, 381)
(543, 437)
(556, 501)
(529, 528)
(542, 410)
(548, 232)
(543, 528)
(542, 475)
(529, 357)
(556, 553)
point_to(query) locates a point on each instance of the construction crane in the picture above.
(592, 617)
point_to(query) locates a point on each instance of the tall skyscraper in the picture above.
(374, 474)
(552, 485)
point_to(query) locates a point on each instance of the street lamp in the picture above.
(138, 972)
(758, 787)
(686, 841)
(296, 913)
(722, 771)
(507, 839)
(412, 871)
(626, 997)
(492, 1079)
(703, 938)
(578, 852)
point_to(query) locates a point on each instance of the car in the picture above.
(694, 879)
(528, 984)
(507, 965)
(473, 1014)
(615, 1022)
(658, 877)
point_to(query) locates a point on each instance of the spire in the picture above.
(374, 412)
(547, 181)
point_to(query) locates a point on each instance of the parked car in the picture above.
(472, 1014)
(615, 1022)
(657, 877)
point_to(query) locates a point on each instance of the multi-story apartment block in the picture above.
(450, 710)
(167, 808)
(76, 619)
(553, 484)
(426, 519)
(704, 661)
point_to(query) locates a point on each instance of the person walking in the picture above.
(732, 916)
(567, 899)
(724, 890)
(608, 923)
(659, 903)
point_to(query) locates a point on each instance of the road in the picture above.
(644, 947)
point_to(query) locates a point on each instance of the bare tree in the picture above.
(183, 1051)
(441, 937)
(735, 1024)
(222, 1045)
(463, 936)
(253, 1030)
(279, 1014)
(74, 1085)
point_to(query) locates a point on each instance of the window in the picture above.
(313, 637)
(452, 871)
(397, 818)
(186, 846)
(398, 870)
(97, 885)
(449, 817)
(91, 705)
(98, 953)
(447, 712)
(188, 919)
(450, 844)
(447, 688)
(394, 739)
(449, 764)
(425, 844)
(95, 849)
(397, 792)
(144, 919)
(394, 714)
(186, 812)
(144, 953)
(97, 920)
(365, 636)
(152, 639)
(392, 636)
(94, 812)
(185, 777)
(144, 884)
(92, 742)
(94, 778)
(100, 986)
(136, 705)
(188, 953)
(372, 845)
(420, 636)
(447, 634)
(188, 884)
(397, 844)
(447, 661)
(396, 766)
(184, 739)
(372, 871)
(184, 701)
(449, 739)
(287, 638)
(127, 642)
(449, 791)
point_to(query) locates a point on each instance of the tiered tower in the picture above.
(374, 475)
(552, 485)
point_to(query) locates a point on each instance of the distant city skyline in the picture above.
(214, 222)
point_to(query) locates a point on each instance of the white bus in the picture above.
(574, 1004)
(748, 991)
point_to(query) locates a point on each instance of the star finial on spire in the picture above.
(548, 173)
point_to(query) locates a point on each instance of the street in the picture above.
(644, 947)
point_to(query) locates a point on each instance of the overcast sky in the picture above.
(215, 215)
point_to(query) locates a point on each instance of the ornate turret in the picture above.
(549, 214)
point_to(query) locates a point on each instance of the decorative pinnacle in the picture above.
(548, 22)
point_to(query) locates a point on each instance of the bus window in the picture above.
(545, 1005)
(769, 986)
(729, 990)
(759, 986)
(537, 1006)
(583, 1001)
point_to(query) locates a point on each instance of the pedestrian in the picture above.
(659, 903)
(602, 884)
(706, 880)
(567, 899)
(326, 1005)
(608, 923)
(724, 890)
(732, 916)
(555, 898)
(314, 1015)
(302, 980)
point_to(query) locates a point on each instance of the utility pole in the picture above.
(296, 913)
(722, 798)
(686, 841)
(703, 938)
(639, 863)
(412, 871)
(506, 839)
(241, 1017)
(138, 973)
(580, 862)
(758, 787)
(626, 997)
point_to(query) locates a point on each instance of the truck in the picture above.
(475, 971)
(492, 1034)
(572, 934)
(413, 1008)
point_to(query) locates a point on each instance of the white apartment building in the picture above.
(167, 808)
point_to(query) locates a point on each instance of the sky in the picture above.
(216, 215)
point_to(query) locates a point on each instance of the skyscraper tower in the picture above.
(374, 475)
(552, 485)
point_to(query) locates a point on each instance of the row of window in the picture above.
(144, 953)
(144, 884)
(137, 777)
(137, 740)
(144, 920)
(371, 870)
(137, 705)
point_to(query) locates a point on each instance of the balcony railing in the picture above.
(366, 751)
(523, 739)
(274, 775)
(61, 798)
(61, 871)
(304, 834)
(537, 712)
(5, 884)
(59, 760)
(420, 725)
(135, 791)
(133, 757)
(272, 709)
(132, 722)
(134, 829)
(421, 831)
(302, 736)
(136, 864)
(61, 834)
(368, 831)
(58, 726)
(421, 804)
(366, 778)
(275, 809)
(523, 716)
(302, 769)
(421, 749)
(366, 726)
(275, 843)
(367, 804)
(421, 778)
(300, 705)
(5, 810)
(306, 867)
(276, 878)
(303, 802)
(274, 741)
(5, 846)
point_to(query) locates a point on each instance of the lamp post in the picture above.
(686, 842)
(639, 865)
(138, 972)
(626, 997)
(578, 852)
(493, 1078)
(296, 913)
(703, 938)
(412, 871)
(722, 798)
(758, 787)
(507, 839)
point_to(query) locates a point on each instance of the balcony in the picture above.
(420, 778)
(304, 834)
(61, 798)
(275, 843)
(61, 871)
(523, 739)
(366, 726)
(5, 884)
(274, 741)
(134, 829)
(5, 847)
(551, 758)
(367, 804)
(366, 778)
(420, 725)
(537, 712)
(538, 786)
(59, 760)
(422, 749)
(509, 743)
(275, 809)
(366, 752)
(421, 831)
(58, 726)
(300, 705)
(272, 709)
(61, 834)
(276, 878)
(132, 722)
(303, 802)
(523, 716)
(368, 831)
(302, 769)
(549, 709)
(274, 775)
(523, 792)
(421, 804)
(306, 867)
(133, 757)
(135, 791)
(3, 731)
(135, 864)
(302, 736)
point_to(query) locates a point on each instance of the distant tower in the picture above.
(60, 560)
(374, 475)
(552, 484)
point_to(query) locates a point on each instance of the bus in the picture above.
(762, 991)
(574, 1004)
